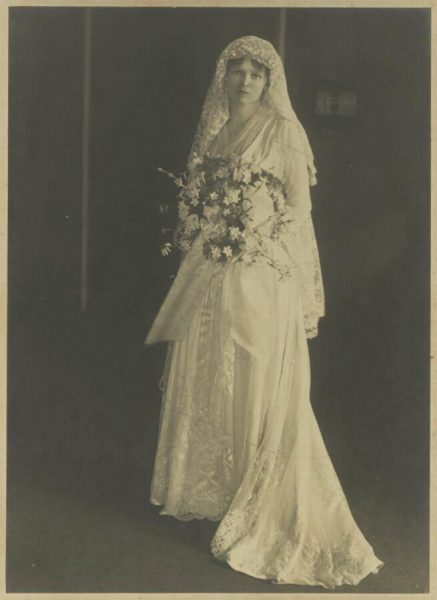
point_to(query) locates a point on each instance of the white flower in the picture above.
(213, 196)
(234, 233)
(192, 191)
(221, 172)
(232, 196)
(215, 252)
(226, 211)
(184, 245)
(196, 160)
(182, 210)
(211, 212)
(192, 223)
(227, 251)
(166, 249)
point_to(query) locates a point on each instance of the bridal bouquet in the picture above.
(235, 206)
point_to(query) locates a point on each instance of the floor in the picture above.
(82, 432)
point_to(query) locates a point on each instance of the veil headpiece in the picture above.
(215, 111)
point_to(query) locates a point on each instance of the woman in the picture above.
(239, 442)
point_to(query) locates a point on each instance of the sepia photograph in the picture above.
(218, 299)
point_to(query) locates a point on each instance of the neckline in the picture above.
(258, 112)
(255, 122)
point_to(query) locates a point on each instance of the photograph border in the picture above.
(4, 61)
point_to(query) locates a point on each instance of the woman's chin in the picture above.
(244, 99)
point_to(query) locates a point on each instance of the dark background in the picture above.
(83, 403)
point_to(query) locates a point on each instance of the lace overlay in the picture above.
(315, 542)
(313, 295)
(193, 465)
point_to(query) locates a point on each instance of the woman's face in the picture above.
(245, 81)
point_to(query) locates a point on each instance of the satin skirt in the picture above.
(239, 443)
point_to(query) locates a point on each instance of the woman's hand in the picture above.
(259, 206)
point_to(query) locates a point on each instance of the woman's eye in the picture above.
(239, 72)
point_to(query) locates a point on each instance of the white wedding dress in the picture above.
(239, 443)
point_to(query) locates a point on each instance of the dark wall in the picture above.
(149, 72)
(45, 104)
(151, 69)
(145, 102)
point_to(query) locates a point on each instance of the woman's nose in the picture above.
(246, 79)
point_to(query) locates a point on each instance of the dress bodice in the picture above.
(272, 143)
(269, 141)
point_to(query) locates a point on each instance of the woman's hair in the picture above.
(234, 62)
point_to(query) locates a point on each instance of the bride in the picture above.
(239, 443)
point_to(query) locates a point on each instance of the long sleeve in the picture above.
(294, 170)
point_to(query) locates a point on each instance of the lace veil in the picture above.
(214, 115)
(215, 110)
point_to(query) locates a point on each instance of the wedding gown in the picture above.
(238, 441)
